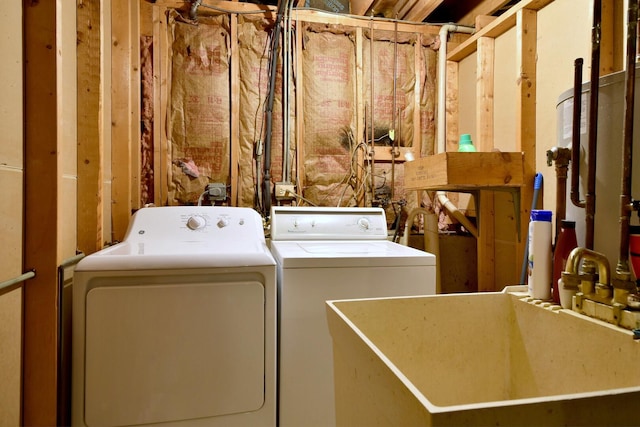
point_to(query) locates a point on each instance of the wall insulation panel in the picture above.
(199, 106)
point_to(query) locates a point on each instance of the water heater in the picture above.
(611, 110)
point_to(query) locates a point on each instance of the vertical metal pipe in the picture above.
(593, 124)
(575, 137)
(627, 144)
(273, 70)
(372, 150)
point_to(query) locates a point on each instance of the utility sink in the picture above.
(494, 358)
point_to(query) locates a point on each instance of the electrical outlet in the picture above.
(285, 190)
(217, 191)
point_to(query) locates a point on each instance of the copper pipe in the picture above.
(593, 124)
(575, 137)
(562, 157)
(627, 147)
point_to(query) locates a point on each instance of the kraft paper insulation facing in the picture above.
(199, 108)
(200, 118)
(146, 120)
(254, 44)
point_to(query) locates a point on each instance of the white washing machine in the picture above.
(325, 254)
(176, 325)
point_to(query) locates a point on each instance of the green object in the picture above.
(465, 144)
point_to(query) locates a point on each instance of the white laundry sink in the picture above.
(479, 359)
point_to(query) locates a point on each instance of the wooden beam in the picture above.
(486, 7)
(234, 161)
(300, 110)
(41, 234)
(526, 52)
(160, 89)
(360, 7)
(613, 23)
(500, 26)
(452, 107)
(360, 108)
(121, 144)
(484, 142)
(135, 130)
(90, 155)
(421, 10)
(419, 64)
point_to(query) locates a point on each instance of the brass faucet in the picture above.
(591, 286)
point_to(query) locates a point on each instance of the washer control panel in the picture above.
(328, 223)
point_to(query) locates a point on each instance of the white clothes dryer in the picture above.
(176, 325)
(326, 254)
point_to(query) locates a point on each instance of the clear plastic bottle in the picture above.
(539, 261)
(565, 243)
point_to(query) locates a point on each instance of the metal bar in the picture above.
(21, 278)
(575, 139)
(627, 146)
(593, 124)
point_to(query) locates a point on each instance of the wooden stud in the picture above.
(419, 65)
(90, 154)
(234, 162)
(496, 28)
(121, 167)
(299, 109)
(161, 99)
(135, 131)
(452, 116)
(452, 107)
(484, 142)
(41, 196)
(526, 52)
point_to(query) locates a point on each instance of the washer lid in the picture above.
(338, 253)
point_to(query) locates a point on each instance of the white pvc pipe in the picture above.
(442, 116)
(442, 82)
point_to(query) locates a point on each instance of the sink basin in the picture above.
(479, 359)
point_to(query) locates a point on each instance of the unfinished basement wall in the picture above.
(554, 74)
(11, 202)
(216, 110)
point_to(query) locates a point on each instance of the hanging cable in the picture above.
(273, 70)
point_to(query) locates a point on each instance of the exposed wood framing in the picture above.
(452, 106)
(42, 187)
(125, 114)
(234, 163)
(612, 45)
(484, 140)
(90, 150)
(160, 90)
(417, 92)
(526, 52)
(360, 108)
(421, 9)
(496, 28)
(486, 7)
(452, 126)
(299, 111)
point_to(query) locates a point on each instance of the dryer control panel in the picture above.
(328, 223)
(227, 226)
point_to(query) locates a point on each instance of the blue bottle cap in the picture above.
(540, 215)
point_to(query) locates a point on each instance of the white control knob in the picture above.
(222, 222)
(196, 222)
(363, 223)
